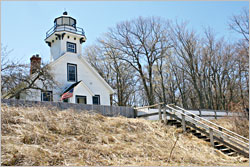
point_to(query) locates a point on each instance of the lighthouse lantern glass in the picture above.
(72, 22)
(59, 21)
(67, 21)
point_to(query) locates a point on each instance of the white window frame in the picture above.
(50, 96)
(68, 74)
(71, 47)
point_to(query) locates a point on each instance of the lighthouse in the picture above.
(76, 81)
(65, 37)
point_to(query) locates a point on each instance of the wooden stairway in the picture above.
(226, 141)
(217, 145)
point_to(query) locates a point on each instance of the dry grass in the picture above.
(239, 125)
(235, 124)
(43, 136)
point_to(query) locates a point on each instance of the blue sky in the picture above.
(24, 24)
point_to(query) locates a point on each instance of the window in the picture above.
(72, 22)
(46, 96)
(96, 99)
(72, 72)
(65, 20)
(59, 21)
(71, 47)
(65, 100)
(81, 99)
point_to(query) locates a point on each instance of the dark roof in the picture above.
(71, 86)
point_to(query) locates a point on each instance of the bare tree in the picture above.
(16, 79)
(41, 80)
(187, 48)
(240, 23)
(10, 70)
(141, 43)
(181, 82)
(173, 64)
(117, 73)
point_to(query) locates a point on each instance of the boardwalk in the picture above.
(208, 114)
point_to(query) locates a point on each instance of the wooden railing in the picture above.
(239, 140)
(216, 113)
(137, 108)
(220, 128)
(209, 114)
(213, 131)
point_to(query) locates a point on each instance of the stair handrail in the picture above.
(148, 106)
(212, 123)
(216, 130)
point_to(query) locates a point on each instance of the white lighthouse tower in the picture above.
(64, 37)
(76, 80)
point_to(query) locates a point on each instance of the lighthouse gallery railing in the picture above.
(76, 30)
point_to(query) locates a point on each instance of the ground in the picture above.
(45, 136)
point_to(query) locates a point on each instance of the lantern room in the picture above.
(64, 37)
(65, 23)
(65, 20)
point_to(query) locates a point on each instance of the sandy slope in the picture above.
(42, 136)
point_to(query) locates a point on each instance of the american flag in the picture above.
(68, 94)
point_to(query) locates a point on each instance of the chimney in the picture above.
(35, 63)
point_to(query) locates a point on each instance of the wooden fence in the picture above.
(101, 109)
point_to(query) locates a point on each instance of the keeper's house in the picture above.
(78, 81)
